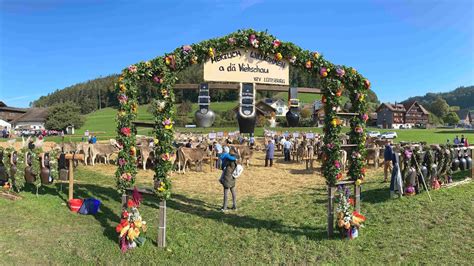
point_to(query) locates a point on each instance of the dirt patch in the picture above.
(256, 181)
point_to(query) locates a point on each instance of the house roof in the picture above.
(409, 105)
(2, 104)
(4, 107)
(33, 115)
(393, 107)
(463, 113)
(262, 103)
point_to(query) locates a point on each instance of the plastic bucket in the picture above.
(75, 204)
(94, 208)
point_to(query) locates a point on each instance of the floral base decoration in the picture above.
(348, 221)
(132, 227)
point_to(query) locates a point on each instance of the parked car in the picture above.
(373, 134)
(389, 135)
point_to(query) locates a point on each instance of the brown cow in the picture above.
(105, 150)
(245, 153)
(191, 155)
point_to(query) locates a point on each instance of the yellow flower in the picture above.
(334, 122)
(362, 97)
(278, 56)
(120, 78)
(194, 60)
(358, 182)
(211, 52)
(122, 113)
(122, 87)
(156, 141)
(134, 107)
(148, 63)
(316, 55)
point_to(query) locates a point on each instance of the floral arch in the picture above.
(162, 71)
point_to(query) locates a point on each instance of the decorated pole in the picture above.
(162, 225)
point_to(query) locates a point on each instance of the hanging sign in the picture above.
(310, 135)
(220, 134)
(250, 66)
(212, 135)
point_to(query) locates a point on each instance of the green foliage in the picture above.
(185, 107)
(305, 113)
(439, 107)
(62, 115)
(451, 118)
(434, 120)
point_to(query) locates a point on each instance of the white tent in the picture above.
(4, 124)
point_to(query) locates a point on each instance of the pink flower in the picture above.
(276, 43)
(408, 154)
(337, 164)
(122, 161)
(126, 131)
(122, 98)
(187, 49)
(166, 157)
(253, 40)
(340, 72)
(132, 68)
(365, 117)
(156, 79)
(329, 145)
(231, 41)
(126, 176)
(359, 129)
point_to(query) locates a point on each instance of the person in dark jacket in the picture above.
(387, 156)
(270, 152)
(227, 180)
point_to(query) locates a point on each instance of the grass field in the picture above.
(284, 227)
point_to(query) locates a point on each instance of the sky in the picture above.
(406, 48)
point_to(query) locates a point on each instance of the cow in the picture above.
(191, 155)
(373, 153)
(146, 152)
(301, 151)
(245, 153)
(105, 150)
(84, 148)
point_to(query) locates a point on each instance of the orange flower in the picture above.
(309, 64)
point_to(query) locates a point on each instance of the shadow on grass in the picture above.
(202, 209)
(455, 132)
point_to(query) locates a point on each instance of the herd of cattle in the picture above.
(202, 149)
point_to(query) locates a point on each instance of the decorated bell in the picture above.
(463, 164)
(411, 176)
(424, 171)
(434, 171)
(30, 177)
(292, 116)
(204, 116)
(468, 159)
(247, 115)
(455, 163)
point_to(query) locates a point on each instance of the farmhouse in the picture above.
(9, 114)
(405, 115)
(466, 117)
(280, 106)
(33, 119)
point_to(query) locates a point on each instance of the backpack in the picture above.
(237, 171)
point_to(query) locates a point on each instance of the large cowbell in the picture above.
(247, 115)
(204, 116)
(292, 116)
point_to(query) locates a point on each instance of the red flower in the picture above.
(363, 170)
(351, 201)
(118, 228)
(367, 83)
(125, 214)
(130, 203)
(126, 131)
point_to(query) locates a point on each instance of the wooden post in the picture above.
(124, 200)
(472, 158)
(331, 194)
(71, 179)
(162, 225)
(357, 197)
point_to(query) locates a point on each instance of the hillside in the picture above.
(462, 97)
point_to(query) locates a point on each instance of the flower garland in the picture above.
(36, 167)
(131, 228)
(162, 71)
(348, 221)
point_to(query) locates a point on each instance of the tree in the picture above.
(434, 120)
(305, 113)
(451, 118)
(439, 107)
(185, 108)
(62, 115)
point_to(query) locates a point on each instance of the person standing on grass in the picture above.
(270, 152)
(387, 157)
(456, 140)
(286, 149)
(227, 180)
(218, 149)
(462, 140)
